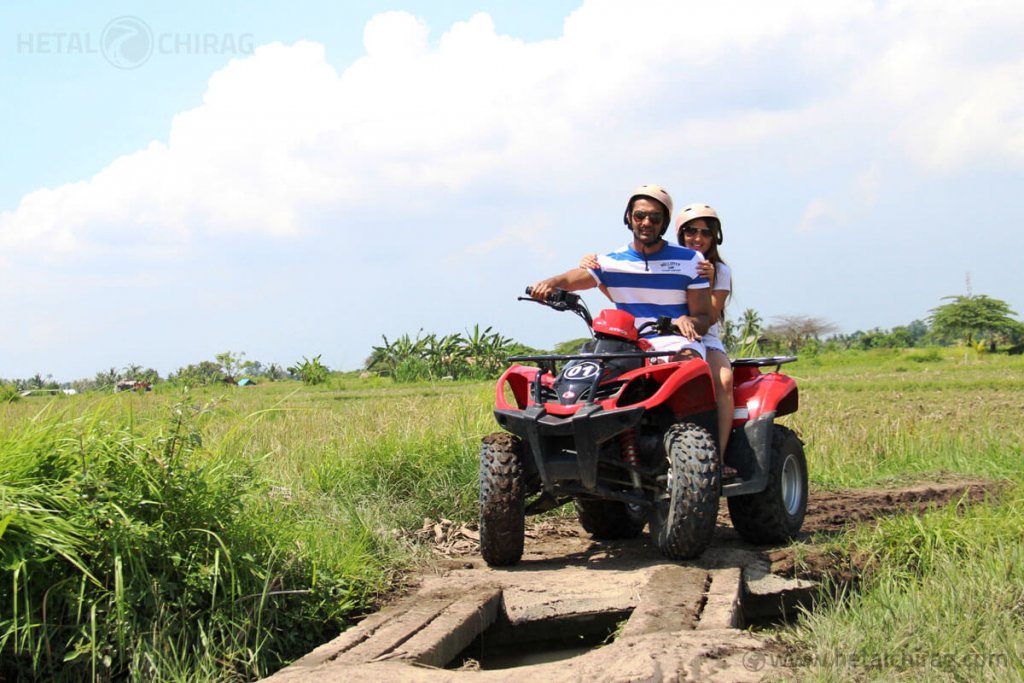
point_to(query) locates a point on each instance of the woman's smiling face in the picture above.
(697, 235)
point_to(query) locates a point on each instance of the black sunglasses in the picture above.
(654, 216)
(690, 231)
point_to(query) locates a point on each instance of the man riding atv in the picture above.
(648, 278)
(630, 438)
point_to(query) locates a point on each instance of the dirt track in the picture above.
(682, 617)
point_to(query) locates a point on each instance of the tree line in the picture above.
(226, 368)
(478, 354)
(978, 321)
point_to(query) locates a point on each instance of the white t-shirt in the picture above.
(650, 285)
(723, 283)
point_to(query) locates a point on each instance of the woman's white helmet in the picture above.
(658, 194)
(695, 211)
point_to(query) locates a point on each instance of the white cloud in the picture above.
(395, 35)
(947, 78)
(816, 213)
(280, 134)
(866, 188)
(848, 204)
(532, 234)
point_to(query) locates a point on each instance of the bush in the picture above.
(412, 370)
(8, 392)
(930, 355)
(480, 354)
(206, 372)
(122, 549)
(310, 371)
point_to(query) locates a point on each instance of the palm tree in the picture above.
(728, 334)
(385, 359)
(444, 355)
(750, 332)
(108, 378)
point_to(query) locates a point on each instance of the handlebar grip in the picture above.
(554, 297)
(558, 297)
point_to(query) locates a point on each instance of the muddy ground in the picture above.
(684, 618)
(828, 513)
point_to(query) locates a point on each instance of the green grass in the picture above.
(943, 599)
(871, 417)
(215, 534)
(943, 594)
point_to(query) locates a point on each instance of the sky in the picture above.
(182, 179)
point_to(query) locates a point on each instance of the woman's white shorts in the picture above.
(675, 343)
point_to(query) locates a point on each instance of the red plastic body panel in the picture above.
(519, 378)
(685, 388)
(758, 393)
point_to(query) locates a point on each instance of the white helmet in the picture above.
(695, 211)
(658, 194)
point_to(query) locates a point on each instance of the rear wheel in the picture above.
(776, 514)
(609, 519)
(502, 499)
(686, 509)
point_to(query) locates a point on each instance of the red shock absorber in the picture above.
(631, 455)
(630, 452)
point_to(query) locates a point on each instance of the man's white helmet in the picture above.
(658, 194)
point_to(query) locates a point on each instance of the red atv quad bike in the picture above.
(632, 441)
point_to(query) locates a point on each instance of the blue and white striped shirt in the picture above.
(651, 286)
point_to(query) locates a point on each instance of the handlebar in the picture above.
(559, 299)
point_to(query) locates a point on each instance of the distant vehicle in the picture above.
(47, 392)
(132, 385)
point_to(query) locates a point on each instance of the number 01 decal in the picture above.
(584, 370)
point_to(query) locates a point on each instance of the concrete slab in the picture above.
(723, 600)
(769, 596)
(682, 620)
(671, 600)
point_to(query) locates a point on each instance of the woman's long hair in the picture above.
(712, 253)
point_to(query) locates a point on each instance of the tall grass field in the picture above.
(218, 534)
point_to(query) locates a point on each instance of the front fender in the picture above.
(685, 386)
(519, 378)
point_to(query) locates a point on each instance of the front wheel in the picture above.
(776, 514)
(502, 499)
(686, 507)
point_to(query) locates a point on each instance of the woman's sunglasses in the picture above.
(690, 231)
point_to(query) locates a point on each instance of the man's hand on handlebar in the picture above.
(542, 290)
(569, 281)
(685, 325)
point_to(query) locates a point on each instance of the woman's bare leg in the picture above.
(721, 373)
